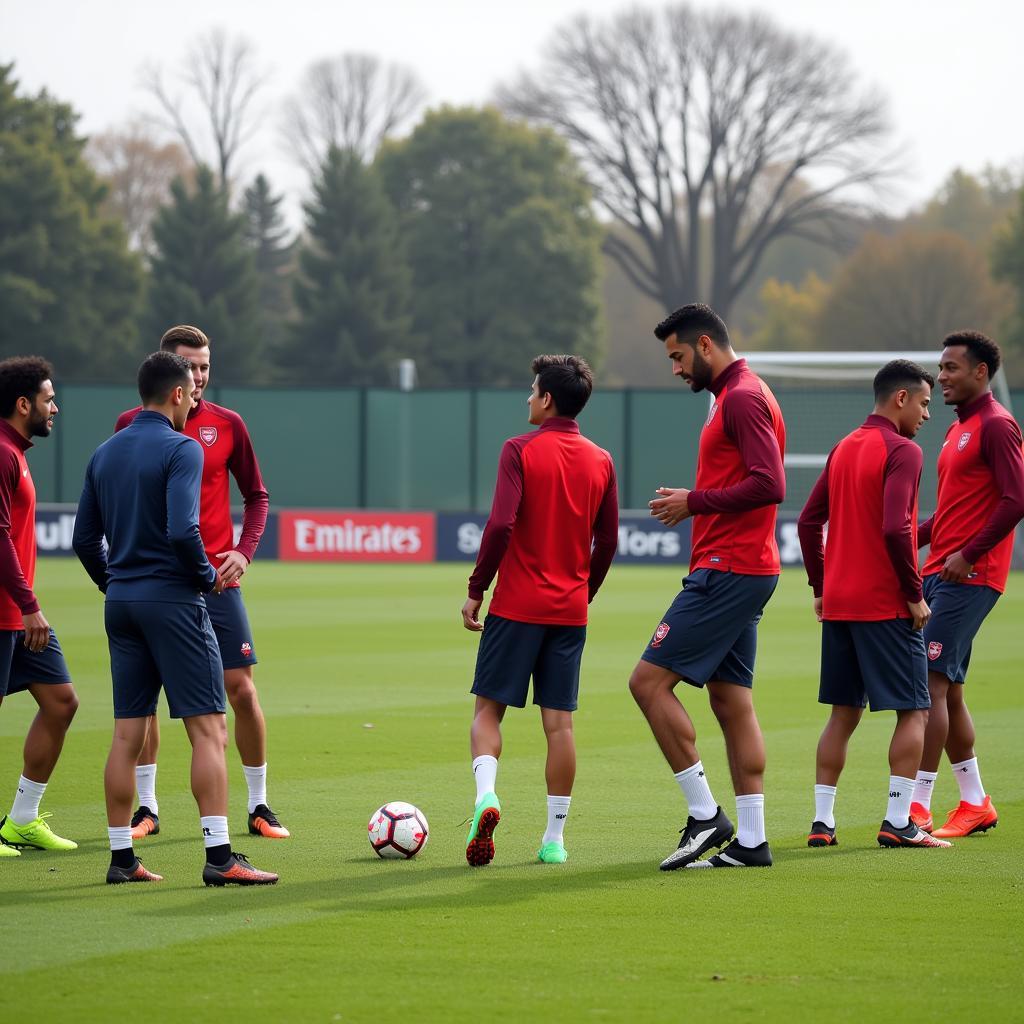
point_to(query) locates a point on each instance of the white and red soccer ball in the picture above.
(398, 830)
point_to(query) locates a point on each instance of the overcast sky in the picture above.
(953, 71)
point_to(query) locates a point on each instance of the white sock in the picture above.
(968, 778)
(558, 811)
(900, 792)
(120, 838)
(215, 831)
(923, 786)
(694, 784)
(485, 771)
(26, 801)
(256, 778)
(750, 820)
(824, 805)
(145, 783)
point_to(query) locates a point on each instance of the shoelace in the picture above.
(269, 817)
(33, 827)
(140, 816)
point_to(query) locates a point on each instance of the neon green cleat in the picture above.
(552, 853)
(8, 851)
(479, 844)
(36, 835)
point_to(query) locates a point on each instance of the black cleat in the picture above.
(144, 823)
(736, 856)
(822, 835)
(263, 822)
(910, 835)
(136, 873)
(236, 871)
(698, 838)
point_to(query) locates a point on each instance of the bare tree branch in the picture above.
(696, 125)
(352, 102)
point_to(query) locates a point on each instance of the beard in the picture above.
(700, 376)
(38, 426)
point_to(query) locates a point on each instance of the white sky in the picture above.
(953, 71)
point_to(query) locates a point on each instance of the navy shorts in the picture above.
(881, 662)
(231, 627)
(709, 634)
(510, 652)
(156, 643)
(958, 610)
(20, 667)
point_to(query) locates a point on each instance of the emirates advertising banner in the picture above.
(327, 536)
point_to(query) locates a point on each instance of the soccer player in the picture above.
(226, 448)
(867, 596)
(980, 501)
(708, 637)
(141, 492)
(30, 656)
(556, 497)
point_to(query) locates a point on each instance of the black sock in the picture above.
(218, 854)
(122, 858)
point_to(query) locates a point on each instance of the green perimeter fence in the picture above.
(438, 449)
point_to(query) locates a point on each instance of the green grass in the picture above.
(363, 675)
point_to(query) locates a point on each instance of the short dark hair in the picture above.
(21, 377)
(160, 373)
(183, 334)
(689, 322)
(567, 379)
(900, 373)
(980, 349)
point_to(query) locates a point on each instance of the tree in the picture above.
(352, 288)
(138, 171)
(202, 273)
(972, 207)
(221, 77)
(504, 247)
(1008, 266)
(267, 237)
(352, 102)
(680, 114)
(790, 315)
(69, 287)
(908, 292)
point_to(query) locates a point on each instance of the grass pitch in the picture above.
(363, 676)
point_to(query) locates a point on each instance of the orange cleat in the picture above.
(263, 822)
(921, 817)
(144, 823)
(237, 871)
(966, 819)
(136, 873)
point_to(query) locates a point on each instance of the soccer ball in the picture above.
(398, 830)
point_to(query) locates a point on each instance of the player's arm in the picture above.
(87, 539)
(1001, 449)
(810, 528)
(900, 482)
(255, 504)
(924, 531)
(12, 578)
(747, 420)
(184, 476)
(508, 494)
(606, 535)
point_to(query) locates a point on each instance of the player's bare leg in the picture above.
(119, 790)
(653, 689)
(937, 728)
(560, 774)
(485, 746)
(907, 742)
(733, 706)
(960, 735)
(830, 761)
(23, 825)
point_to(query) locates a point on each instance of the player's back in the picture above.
(544, 574)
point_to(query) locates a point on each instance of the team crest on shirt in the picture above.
(934, 650)
(660, 633)
(962, 443)
(247, 649)
(208, 435)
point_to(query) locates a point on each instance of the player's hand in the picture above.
(233, 567)
(671, 506)
(920, 613)
(956, 569)
(37, 632)
(218, 584)
(470, 611)
(817, 607)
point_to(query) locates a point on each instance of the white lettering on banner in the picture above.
(789, 544)
(319, 538)
(647, 543)
(56, 535)
(469, 536)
